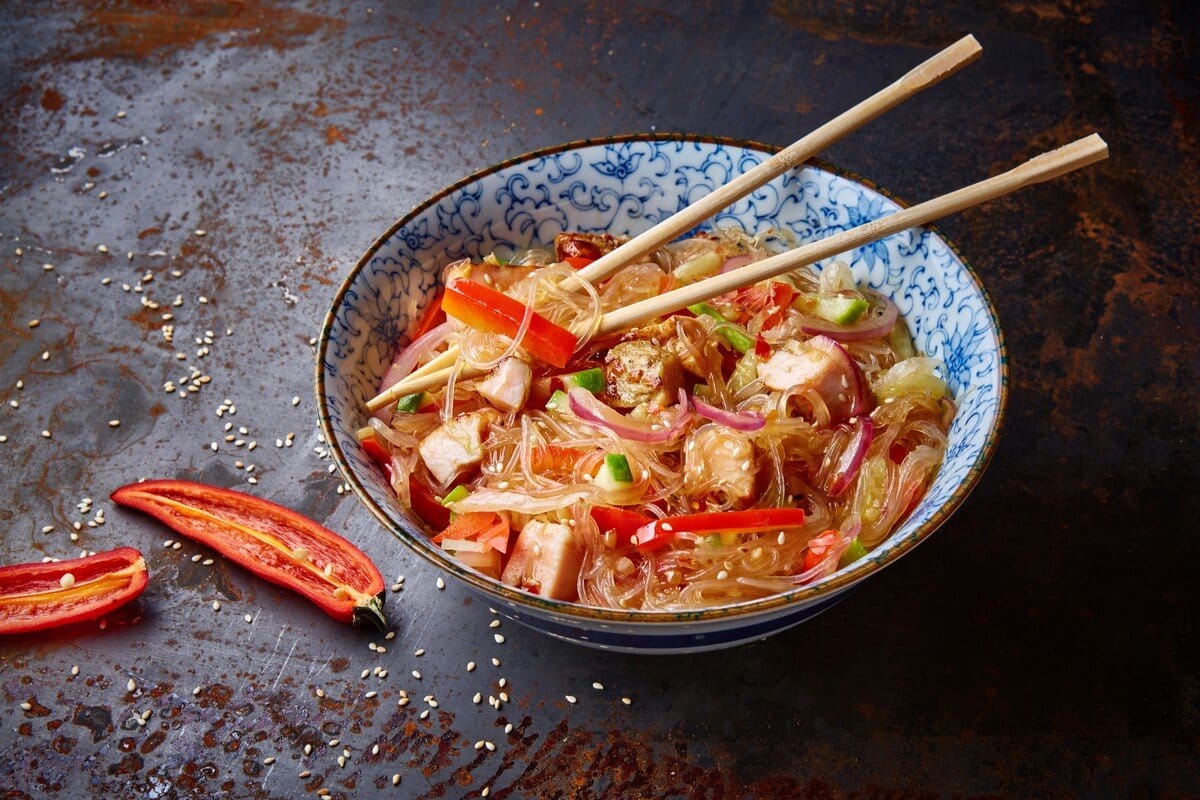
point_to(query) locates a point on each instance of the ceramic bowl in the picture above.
(624, 185)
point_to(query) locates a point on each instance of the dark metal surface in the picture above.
(1042, 644)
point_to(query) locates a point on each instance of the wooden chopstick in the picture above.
(1073, 156)
(932, 71)
(1044, 167)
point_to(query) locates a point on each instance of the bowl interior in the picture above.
(624, 186)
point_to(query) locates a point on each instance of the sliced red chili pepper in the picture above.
(486, 527)
(434, 315)
(761, 348)
(273, 542)
(578, 262)
(661, 532)
(426, 504)
(623, 522)
(486, 309)
(37, 596)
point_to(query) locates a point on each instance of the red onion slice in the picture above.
(584, 405)
(738, 420)
(876, 321)
(852, 457)
(735, 262)
(407, 359)
(853, 397)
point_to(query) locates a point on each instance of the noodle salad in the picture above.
(730, 451)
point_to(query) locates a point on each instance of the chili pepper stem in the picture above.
(371, 612)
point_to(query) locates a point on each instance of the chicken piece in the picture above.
(507, 386)
(452, 447)
(545, 560)
(664, 334)
(638, 372)
(584, 245)
(719, 462)
(827, 369)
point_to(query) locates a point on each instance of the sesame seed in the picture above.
(375, 750)
(441, 584)
(196, 558)
(33, 323)
(200, 231)
(402, 702)
(597, 685)
(479, 745)
(296, 400)
(627, 701)
(114, 423)
(249, 618)
(508, 728)
(420, 651)
(416, 674)
(67, 580)
(499, 637)
(216, 605)
(477, 698)
(371, 694)
(305, 773)
(495, 662)
(502, 682)
(494, 623)
(484, 792)
(132, 685)
(470, 666)
(75, 670)
(572, 698)
(334, 742)
(102, 249)
(396, 779)
(269, 760)
(47, 528)
(46, 434)
(424, 714)
(196, 691)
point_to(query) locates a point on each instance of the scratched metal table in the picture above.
(225, 163)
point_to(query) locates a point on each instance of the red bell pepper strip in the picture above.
(661, 532)
(273, 542)
(486, 309)
(434, 315)
(486, 527)
(623, 522)
(37, 596)
(425, 503)
(374, 448)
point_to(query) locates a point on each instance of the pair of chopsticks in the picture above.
(1068, 158)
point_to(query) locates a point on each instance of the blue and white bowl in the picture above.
(624, 185)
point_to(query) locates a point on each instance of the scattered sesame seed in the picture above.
(572, 698)
(424, 714)
(484, 792)
(33, 323)
(132, 685)
(375, 750)
(196, 692)
(200, 231)
(47, 528)
(371, 694)
(627, 701)
(102, 249)
(249, 618)
(441, 584)
(416, 674)
(216, 605)
(470, 666)
(396, 779)
(495, 662)
(296, 400)
(502, 682)
(402, 702)
(597, 685)
(269, 760)
(305, 773)
(114, 423)
(499, 637)
(67, 580)
(508, 728)
(75, 670)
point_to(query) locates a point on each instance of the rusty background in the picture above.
(1042, 644)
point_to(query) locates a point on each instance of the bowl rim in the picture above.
(585, 613)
